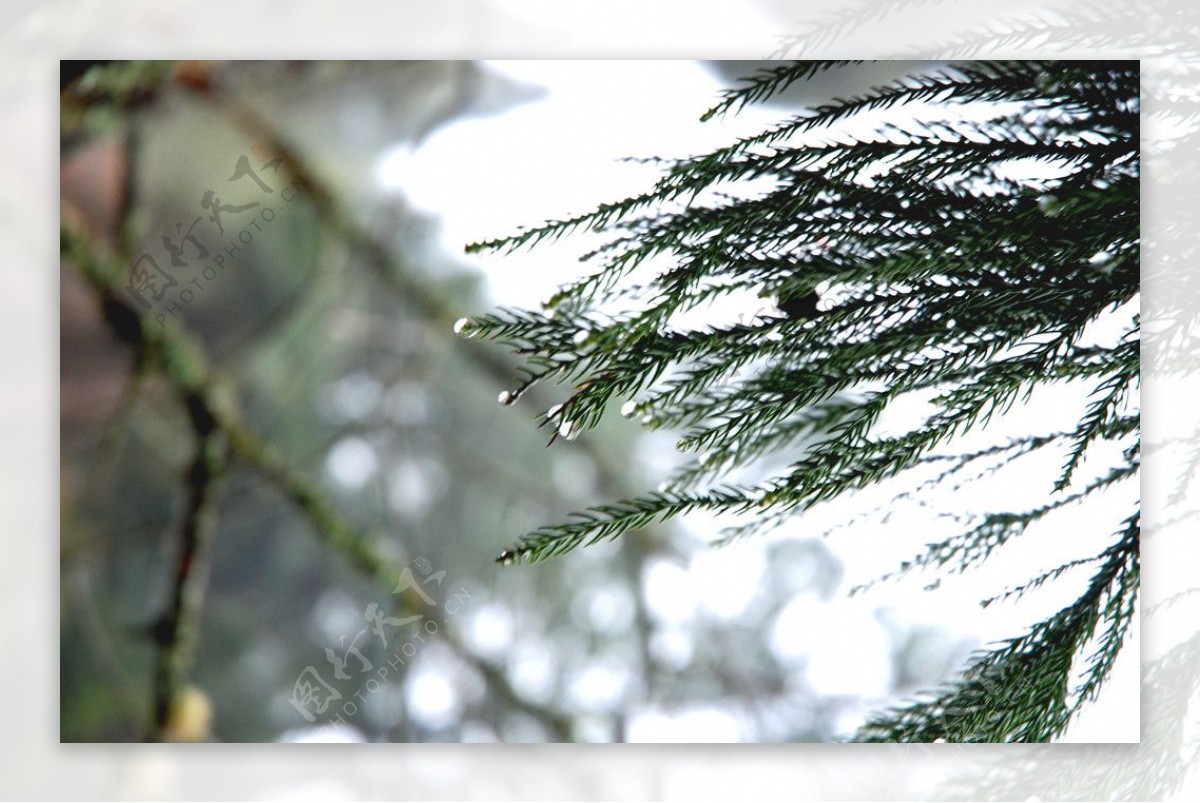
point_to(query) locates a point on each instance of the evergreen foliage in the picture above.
(957, 258)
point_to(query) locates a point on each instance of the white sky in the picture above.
(558, 156)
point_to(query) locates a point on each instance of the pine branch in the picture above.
(1020, 691)
(1111, 394)
(767, 83)
(605, 522)
(931, 268)
(964, 550)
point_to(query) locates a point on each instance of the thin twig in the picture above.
(178, 631)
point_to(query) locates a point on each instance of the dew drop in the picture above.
(460, 327)
(507, 397)
(568, 430)
(1102, 261)
(629, 408)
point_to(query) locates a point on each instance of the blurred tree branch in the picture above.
(177, 632)
(220, 433)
